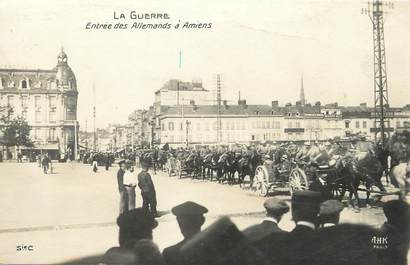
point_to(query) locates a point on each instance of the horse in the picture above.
(369, 170)
(400, 178)
(207, 170)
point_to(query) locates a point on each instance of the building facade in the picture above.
(47, 99)
(261, 123)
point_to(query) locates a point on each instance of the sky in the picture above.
(261, 48)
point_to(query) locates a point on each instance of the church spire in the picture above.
(302, 93)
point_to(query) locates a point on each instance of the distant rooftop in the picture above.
(175, 84)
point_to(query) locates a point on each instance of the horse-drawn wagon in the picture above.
(270, 176)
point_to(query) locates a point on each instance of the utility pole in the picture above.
(381, 99)
(219, 110)
(94, 117)
(86, 135)
(75, 140)
(187, 123)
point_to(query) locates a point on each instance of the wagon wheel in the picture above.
(261, 181)
(337, 191)
(298, 180)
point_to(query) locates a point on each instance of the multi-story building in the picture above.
(258, 123)
(47, 99)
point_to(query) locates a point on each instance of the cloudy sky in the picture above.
(261, 48)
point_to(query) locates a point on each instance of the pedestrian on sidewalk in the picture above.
(121, 187)
(130, 182)
(45, 163)
(95, 163)
(149, 197)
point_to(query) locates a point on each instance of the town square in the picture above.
(204, 133)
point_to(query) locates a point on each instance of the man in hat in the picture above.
(297, 246)
(397, 232)
(149, 197)
(220, 243)
(135, 225)
(305, 209)
(329, 213)
(275, 209)
(121, 187)
(190, 218)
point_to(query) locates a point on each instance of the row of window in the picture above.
(28, 84)
(52, 101)
(260, 124)
(357, 124)
(49, 134)
(226, 125)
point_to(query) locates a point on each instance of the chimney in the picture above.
(225, 103)
(242, 103)
(192, 102)
(318, 104)
(275, 104)
(298, 103)
(363, 105)
(288, 105)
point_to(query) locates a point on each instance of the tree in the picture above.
(16, 132)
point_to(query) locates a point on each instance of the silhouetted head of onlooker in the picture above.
(118, 255)
(190, 217)
(329, 213)
(305, 206)
(275, 208)
(135, 225)
(397, 213)
(147, 253)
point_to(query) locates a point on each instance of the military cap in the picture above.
(330, 207)
(122, 161)
(137, 218)
(307, 143)
(275, 205)
(189, 208)
(267, 156)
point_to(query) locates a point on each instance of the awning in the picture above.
(41, 147)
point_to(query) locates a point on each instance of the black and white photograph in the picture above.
(192, 132)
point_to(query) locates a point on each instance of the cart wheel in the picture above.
(298, 180)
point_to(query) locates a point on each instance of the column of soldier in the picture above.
(318, 237)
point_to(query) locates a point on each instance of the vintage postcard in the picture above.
(204, 132)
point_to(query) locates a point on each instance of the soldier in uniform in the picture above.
(190, 217)
(329, 213)
(149, 197)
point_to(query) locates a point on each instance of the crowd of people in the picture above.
(317, 238)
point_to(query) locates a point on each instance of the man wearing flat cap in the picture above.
(148, 193)
(329, 213)
(190, 218)
(275, 209)
(135, 225)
